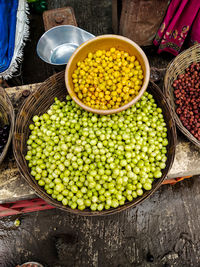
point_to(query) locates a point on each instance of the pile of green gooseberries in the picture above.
(97, 162)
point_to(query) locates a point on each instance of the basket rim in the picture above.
(166, 87)
(41, 193)
(11, 117)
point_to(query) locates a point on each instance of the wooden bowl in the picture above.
(106, 42)
(7, 116)
(176, 67)
(40, 101)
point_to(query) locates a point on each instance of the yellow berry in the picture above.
(132, 92)
(90, 55)
(107, 97)
(109, 82)
(114, 93)
(119, 90)
(137, 63)
(101, 94)
(137, 87)
(132, 59)
(140, 72)
(80, 95)
(82, 72)
(137, 82)
(125, 89)
(126, 96)
(119, 85)
(119, 55)
(108, 54)
(74, 75)
(99, 53)
(138, 67)
(112, 50)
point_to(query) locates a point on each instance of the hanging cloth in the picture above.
(8, 13)
(182, 20)
(13, 33)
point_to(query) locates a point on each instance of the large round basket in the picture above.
(40, 101)
(176, 67)
(7, 116)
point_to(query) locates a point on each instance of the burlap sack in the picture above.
(140, 19)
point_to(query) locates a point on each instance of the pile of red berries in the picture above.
(187, 98)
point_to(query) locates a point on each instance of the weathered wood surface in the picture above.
(166, 225)
(13, 187)
(94, 16)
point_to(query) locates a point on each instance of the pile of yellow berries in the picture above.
(107, 79)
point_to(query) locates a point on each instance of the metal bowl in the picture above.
(58, 44)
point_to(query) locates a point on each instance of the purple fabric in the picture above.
(182, 18)
(195, 33)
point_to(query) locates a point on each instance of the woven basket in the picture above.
(40, 101)
(176, 67)
(7, 116)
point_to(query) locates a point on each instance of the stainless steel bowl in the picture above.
(58, 44)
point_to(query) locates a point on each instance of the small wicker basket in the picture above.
(176, 67)
(7, 116)
(40, 101)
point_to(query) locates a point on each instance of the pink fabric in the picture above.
(195, 33)
(182, 18)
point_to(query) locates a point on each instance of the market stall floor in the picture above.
(165, 226)
(164, 229)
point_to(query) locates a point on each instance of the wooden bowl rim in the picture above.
(109, 111)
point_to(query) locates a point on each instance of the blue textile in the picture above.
(8, 14)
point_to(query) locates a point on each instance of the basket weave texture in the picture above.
(40, 101)
(176, 67)
(7, 116)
